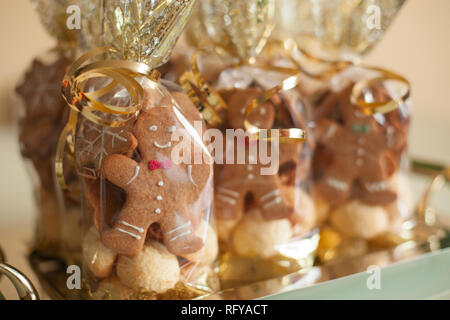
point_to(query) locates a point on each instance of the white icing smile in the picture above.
(167, 145)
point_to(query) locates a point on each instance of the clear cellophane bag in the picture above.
(264, 210)
(363, 198)
(146, 176)
(41, 117)
(149, 228)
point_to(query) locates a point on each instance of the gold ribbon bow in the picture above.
(121, 72)
(210, 104)
(332, 68)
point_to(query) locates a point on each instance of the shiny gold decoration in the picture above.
(285, 135)
(249, 24)
(144, 30)
(181, 291)
(208, 102)
(328, 244)
(238, 28)
(369, 108)
(330, 68)
(425, 211)
(310, 65)
(122, 73)
(142, 33)
(337, 29)
(206, 25)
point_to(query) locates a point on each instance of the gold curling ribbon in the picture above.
(424, 210)
(369, 108)
(332, 67)
(210, 103)
(285, 135)
(357, 97)
(121, 72)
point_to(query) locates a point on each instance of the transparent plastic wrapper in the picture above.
(41, 115)
(325, 37)
(146, 175)
(264, 210)
(149, 229)
(335, 30)
(362, 194)
(360, 122)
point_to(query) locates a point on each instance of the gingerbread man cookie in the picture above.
(157, 189)
(236, 181)
(43, 117)
(359, 153)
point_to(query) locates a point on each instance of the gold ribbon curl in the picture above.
(121, 72)
(210, 103)
(334, 67)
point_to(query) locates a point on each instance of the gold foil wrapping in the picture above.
(241, 28)
(335, 29)
(143, 30)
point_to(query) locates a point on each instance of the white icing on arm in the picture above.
(140, 230)
(136, 173)
(137, 237)
(190, 175)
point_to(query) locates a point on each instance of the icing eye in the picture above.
(262, 111)
(243, 111)
(153, 128)
(171, 129)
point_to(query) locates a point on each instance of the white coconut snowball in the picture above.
(208, 253)
(97, 257)
(255, 236)
(356, 219)
(153, 269)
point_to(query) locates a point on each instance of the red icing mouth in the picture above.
(155, 164)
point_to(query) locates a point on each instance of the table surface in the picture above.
(18, 213)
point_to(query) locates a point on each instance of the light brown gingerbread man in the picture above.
(157, 189)
(360, 153)
(235, 181)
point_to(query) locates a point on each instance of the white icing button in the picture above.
(159, 198)
(361, 140)
(158, 210)
(359, 162)
(153, 128)
(262, 111)
(360, 151)
(251, 176)
(249, 168)
(160, 183)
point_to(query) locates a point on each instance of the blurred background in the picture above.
(417, 46)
